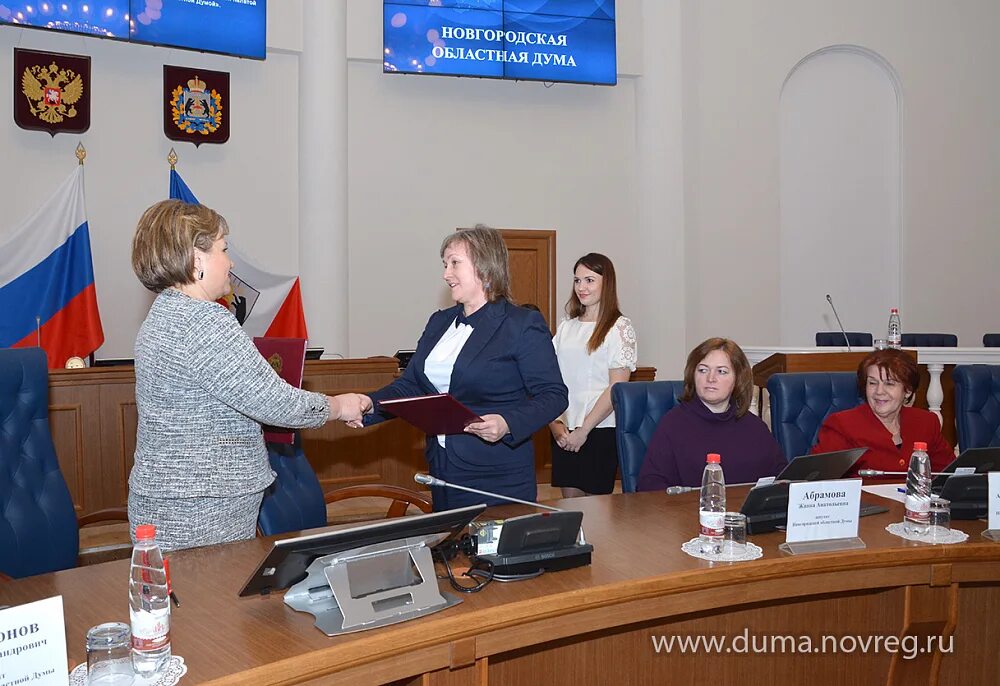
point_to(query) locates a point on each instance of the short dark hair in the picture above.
(743, 386)
(896, 364)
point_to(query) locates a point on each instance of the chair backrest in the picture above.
(38, 529)
(638, 408)
(929, 340)
(977, 405)
(295, 500)
(800, 402)
(857, 339)
(991, 340)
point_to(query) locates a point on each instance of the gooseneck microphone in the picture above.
(879, 472)
(846, 340)
(428, 480)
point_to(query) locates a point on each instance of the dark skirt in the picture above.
(516, 481)
(593, 469)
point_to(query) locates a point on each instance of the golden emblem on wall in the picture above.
(196, 105)
(54, 93)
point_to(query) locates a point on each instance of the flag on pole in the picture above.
(265, 304)
(47, 294)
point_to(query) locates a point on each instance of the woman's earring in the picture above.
(201, 275)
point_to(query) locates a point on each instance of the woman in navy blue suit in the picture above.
(492, 356)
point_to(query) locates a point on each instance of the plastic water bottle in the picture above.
(149, 604)
(894, 334)
(712, 508)
(918, 491)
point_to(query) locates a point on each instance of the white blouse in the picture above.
(586, 374)
(440, 360)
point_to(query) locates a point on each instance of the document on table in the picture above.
(890, 491)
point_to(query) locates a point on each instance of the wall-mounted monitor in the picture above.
(541, 40)
(230, 27)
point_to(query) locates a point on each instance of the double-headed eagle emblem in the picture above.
(52, 92)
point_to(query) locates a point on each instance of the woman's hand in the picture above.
(349, 408)
(491, 429)
(575, 440)
(559, 433)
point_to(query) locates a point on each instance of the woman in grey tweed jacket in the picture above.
(203, 390)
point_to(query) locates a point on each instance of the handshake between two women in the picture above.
(349, 408)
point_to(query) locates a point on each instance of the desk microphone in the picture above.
(846, 340)
(428, 480)
(677, 490)
(879, 472)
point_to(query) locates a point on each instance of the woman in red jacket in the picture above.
(887, 379)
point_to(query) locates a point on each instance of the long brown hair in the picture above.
(609, 312)
(742, 388)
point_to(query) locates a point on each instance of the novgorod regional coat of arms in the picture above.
(196, 105)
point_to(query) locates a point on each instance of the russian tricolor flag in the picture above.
(265, 304)
(46, 272)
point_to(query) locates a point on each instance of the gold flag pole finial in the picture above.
(172, 158)
(81, 153)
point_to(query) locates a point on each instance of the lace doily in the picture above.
(170, 675)
(952, 535)
(751, 552)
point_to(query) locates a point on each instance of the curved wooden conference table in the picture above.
(595, 624)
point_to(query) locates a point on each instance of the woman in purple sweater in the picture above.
(712, 417)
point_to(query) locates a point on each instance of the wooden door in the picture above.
(533, 270)
(533, 281)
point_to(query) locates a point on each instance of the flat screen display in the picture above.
(104, 18)
(541, 40)
(231, 27)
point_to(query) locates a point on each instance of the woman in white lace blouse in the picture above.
(596, 348)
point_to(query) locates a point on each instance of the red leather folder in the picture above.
(434, 414)
(288, 357)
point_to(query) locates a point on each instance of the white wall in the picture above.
(737, 57)
(427, 154)
(252, 179)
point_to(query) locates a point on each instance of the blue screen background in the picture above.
(413, 28)
(231, 27)
(107, 18)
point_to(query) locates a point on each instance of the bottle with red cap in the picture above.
(918, 491)
(712, 508)
(149, 604)
(894, 332)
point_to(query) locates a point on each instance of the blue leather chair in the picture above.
(800, 402)
(991, 340)
(296, 501)
(39, 531)
(638, 408)
(929, 340)
(857, 339)
(977, 405)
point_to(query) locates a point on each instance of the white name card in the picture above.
(994, 501)
(823, 510)
(33, 644)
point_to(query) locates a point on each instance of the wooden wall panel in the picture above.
(93, 417)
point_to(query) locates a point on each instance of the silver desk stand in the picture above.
(372, 586)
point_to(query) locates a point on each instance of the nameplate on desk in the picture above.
(822, 510)
(33, 644)
(994, 501)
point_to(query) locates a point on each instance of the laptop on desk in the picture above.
(821, 466)
(982, 459)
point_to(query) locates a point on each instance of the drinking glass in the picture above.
(939, 519)
(734, 535)
(109, 655)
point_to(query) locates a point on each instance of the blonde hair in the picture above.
(489, 258)
(165, 239)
